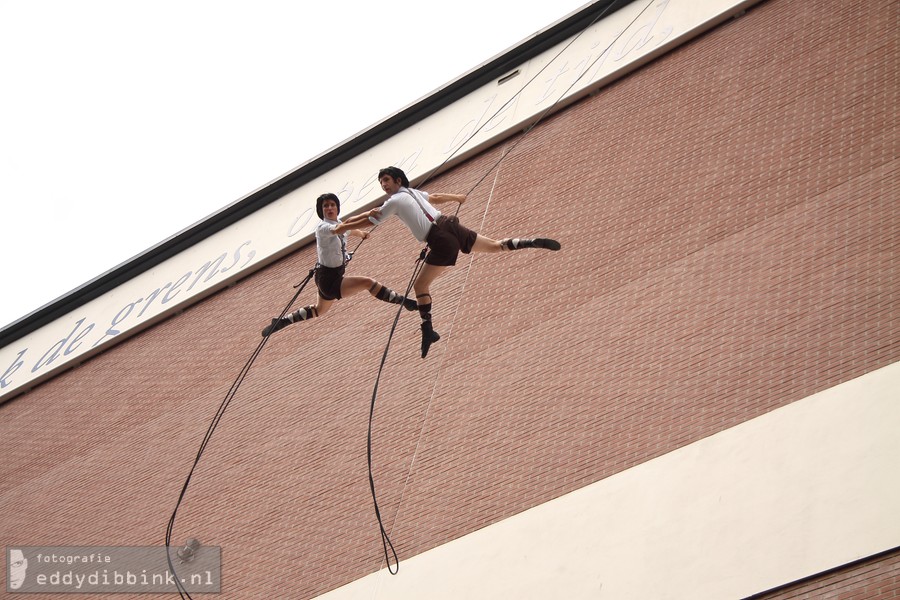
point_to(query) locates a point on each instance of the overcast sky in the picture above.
(122, 122)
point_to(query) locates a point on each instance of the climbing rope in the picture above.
(385, 538)
(386, 542)
(434, 386)
(599, 16)
(212, 427)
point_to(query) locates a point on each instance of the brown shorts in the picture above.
(328, 280)
(445, 239)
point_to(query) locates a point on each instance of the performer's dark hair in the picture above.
(321, 200)
(396, 173)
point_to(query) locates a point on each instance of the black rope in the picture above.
(563, 95)
(220, 413)
(527, 83)
(182, 592)
(350, 254)
(386, 542)
(385, 539)
(212, 427)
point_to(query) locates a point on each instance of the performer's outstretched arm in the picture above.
(442, 198)
(355, 222)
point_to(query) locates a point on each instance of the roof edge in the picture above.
(316, 167)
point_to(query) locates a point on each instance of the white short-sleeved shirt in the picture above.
(410, 206)
(331, 249)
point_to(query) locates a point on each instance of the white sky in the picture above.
(122, 122)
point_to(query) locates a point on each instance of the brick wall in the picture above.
(729, 219)
(877, 578)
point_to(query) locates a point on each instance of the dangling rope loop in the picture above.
(386, 542)
(220, 413)
(385, 539)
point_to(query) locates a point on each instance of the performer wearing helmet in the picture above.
(445, 235)
(331, 248)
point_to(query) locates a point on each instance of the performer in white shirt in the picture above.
(331, 248)
(445, 236)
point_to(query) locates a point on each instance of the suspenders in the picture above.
(344, 254)
(419, 202)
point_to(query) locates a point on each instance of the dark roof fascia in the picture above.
(318, 166)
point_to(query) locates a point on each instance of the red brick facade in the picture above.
(729, 217)
(875, 579)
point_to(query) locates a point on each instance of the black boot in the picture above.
(547, 244)
(275, 326)
(519, 243)
(429, 336)
(410, 304)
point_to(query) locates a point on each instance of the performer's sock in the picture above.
(303, 314)
(429, 335)
(518, 243)
(307, 312)
(388, 295)
(425, 311)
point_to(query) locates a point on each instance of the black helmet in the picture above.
(321, 200)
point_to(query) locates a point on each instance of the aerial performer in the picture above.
(445, 236)
(331, 249)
